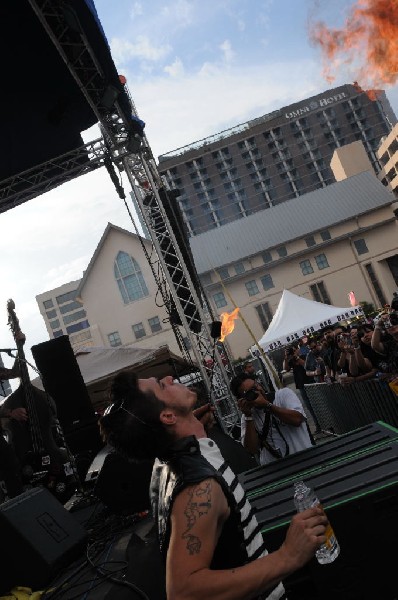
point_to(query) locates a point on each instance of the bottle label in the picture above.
(331, 541)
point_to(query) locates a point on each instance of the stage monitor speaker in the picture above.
(359, 491)
(63, 380)
(123, 486)
(38, 538)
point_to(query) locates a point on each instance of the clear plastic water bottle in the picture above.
(305, 497)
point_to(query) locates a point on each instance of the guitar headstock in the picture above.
(12, 317)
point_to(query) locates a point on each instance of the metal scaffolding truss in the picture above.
(130, 152)
(43, 178)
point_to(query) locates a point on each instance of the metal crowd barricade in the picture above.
(343, 408)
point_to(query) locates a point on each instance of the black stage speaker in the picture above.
(38, 537)
(63, 380)
(123, 486)
(359, 490)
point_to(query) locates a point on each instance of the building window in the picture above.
(205, 279)
(310, 241)
(58, 333)
(77, 327)
(219, 300)
(322, 261)
(267, 256)
(76, 316)
(251, 287)
(360, 246)
(376, 285)
(129, 278)
(267, 282)
(66, 297)
(239, 268)
(114, 339)
(55, 324)
(48, 304)
(155, 324)
(282, 251)
(319, 292)
(325, 235)
(223, 272)
(139, 331)
(69, 307)
(306, 267)
(264, 314)
(51, 314)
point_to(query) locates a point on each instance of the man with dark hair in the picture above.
(272, 426)
(208, 533)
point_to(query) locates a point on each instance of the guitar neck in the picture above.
(22, 365)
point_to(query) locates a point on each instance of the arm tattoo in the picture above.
(199, 504)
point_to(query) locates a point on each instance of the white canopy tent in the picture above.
(296, 317)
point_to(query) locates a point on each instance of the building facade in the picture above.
(273, 158)
(64, 314)
(115, 303)
(321, 246)
(387, 154)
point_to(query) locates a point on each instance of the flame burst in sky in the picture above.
(227, 323)
(368, 41)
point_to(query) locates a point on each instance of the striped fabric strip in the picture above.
(255, 545)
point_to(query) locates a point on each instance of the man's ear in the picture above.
(167, 417)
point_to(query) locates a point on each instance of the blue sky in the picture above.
(194, 68)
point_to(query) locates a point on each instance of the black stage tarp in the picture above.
(42, 108)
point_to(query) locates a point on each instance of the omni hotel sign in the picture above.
(314, 105)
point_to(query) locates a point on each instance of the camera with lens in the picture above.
(250, 395)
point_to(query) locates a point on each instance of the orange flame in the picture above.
(227, 323)
(368, 40)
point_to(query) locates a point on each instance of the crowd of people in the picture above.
(346, 355)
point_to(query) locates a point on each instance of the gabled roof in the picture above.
(98, 249)
(290, 220)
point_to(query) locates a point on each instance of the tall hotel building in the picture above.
(275, 157)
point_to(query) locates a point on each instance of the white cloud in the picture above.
(123, 50)
(179, 12)
(136, 10)
(186, 108)
(228, 53)
(176, 69)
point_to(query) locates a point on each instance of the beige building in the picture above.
(320, 246)
(115, 303)
(388, 156)
(64, 314)
(350, 160)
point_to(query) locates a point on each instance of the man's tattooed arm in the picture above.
(199, 504)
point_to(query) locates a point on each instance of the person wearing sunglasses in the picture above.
(208, 533)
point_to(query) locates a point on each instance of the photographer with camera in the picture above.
(271, 427)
